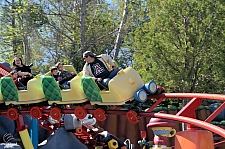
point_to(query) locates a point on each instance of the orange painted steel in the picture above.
(193, 121)
(12, 114)
(36, 112)
(155, 104)
(199, 139)
(217, 144)
(55, 113)
(190, 96)
(99, 114)
(132, 117)
(215, 113)
(190, 107)
(80, 112)
(196, 101)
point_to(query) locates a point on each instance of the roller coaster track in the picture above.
(185, 115)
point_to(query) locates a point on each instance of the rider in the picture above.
(23, 71)
(66, 75)
(101, 68)
(55, 74)
(13, 74)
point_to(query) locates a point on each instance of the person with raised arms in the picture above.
(23, 71)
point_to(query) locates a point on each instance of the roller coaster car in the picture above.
(121, 88)
(54, 94)
(11, 95)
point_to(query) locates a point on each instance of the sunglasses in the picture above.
(85, 57)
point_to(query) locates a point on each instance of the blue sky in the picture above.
(108, 1)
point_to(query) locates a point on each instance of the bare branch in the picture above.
(108, 34)
(119, 36)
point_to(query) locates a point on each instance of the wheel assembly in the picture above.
(99, 114)
(55, 113)
(79, 130)
(35, 112)
(44, 122)
(12, 114)
(132, 117)
(80, 112)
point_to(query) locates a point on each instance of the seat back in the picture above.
(70, 68)
(91, 90)
(51, 89)
(8, 89)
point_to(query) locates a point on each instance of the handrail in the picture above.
(190, 96)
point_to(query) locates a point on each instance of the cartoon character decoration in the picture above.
(111, 142)
(144, 142)
(162, 129)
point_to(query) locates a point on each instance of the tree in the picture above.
(74, 28)
(121, 28)
(18, 21)
(53, 30)
(136, 16)
(180, 45)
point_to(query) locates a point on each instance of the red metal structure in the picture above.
(3, 70)
(186, 114)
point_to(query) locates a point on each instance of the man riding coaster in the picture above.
(101, 68)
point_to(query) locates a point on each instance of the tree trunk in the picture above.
(26, 50)
(25, 40)
(82, 25)
(13, 26)
(119, 36)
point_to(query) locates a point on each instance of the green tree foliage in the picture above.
(14, 26)
(54, 30)
(61, 37)
(181, 46)
(20, 19)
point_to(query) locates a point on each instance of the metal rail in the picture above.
(186, 114)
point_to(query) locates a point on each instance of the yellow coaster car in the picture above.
(54, 94)
(121, 88)
(11, 95)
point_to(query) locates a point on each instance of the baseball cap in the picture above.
(88, 53)
(53, 68)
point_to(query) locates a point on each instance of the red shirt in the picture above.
(16, 82)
